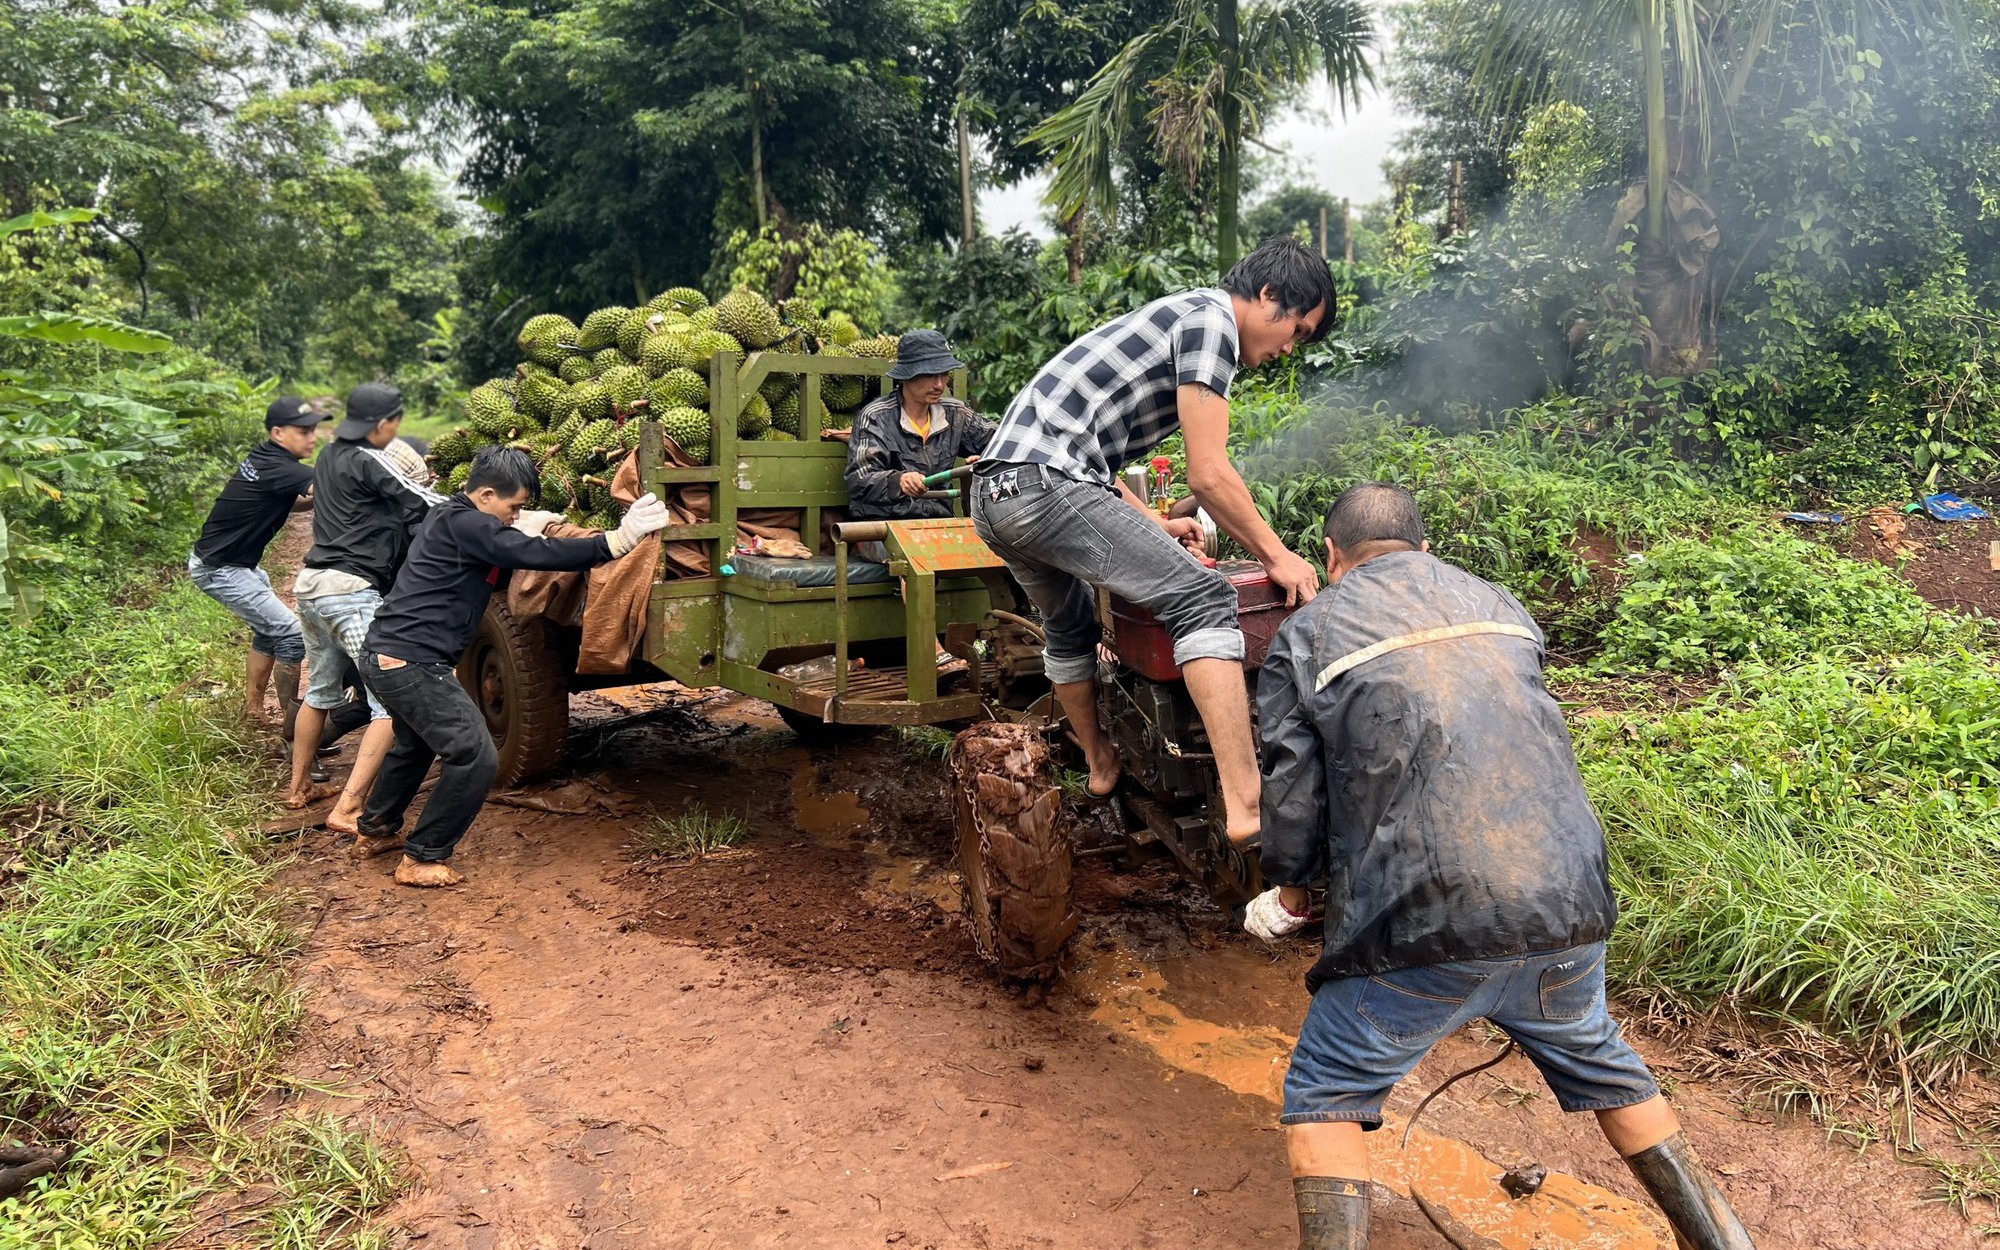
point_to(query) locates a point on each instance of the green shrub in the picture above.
(1690, 605)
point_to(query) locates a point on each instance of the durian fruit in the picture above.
(571, 426)
(454, 481)
(488, 405)
(802, 316)
(840, 328)
(686, 426)
(538, 445)
(785, 415)
(706, 343)
(637, 327)
(776, 435)
(542, 396)
(590, 399)
(543, 338)
(628, 436)
(836, 421)
(881, 347)
(664, 352)
(450, 449)
(575, 369)
(702, 319)
(626, 385)
(777, 386)
(609, 358)
(679, 388)
(841, 394)
(591, 443)
(600, 329)
(559, 485)
(754, 419)
(744, 316)
(684, 299)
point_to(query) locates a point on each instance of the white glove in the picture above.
(532, 523)
(647, 515)
(1266, 918)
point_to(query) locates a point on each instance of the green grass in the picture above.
(145, 1002)
(689, 835)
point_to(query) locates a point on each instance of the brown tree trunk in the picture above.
(1073, 226)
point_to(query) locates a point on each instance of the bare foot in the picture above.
(343, 819)
(426, 876)
(295, 799)
(366, 847)
(1104, 775)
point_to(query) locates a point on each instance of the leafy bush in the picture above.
(1816, 841)
(1691, 605)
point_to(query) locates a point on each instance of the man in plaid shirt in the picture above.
(1049, 500)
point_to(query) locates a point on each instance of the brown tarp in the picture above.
(609, 601)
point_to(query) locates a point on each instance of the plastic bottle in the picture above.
(1160, 485)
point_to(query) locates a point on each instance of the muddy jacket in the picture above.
(365, 510)
(883, 447)
(1414, 760)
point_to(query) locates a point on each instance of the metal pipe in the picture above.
(861, 531)
(940, 478)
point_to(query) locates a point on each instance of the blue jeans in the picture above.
(274, 631)
(1063, 539)
(1364, 1034)
(335, 628)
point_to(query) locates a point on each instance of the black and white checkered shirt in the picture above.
(1110, 396)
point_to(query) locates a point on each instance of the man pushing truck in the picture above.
(1048, 499)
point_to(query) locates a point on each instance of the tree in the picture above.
(617, 143)
(1695, 61)
(1203, 85)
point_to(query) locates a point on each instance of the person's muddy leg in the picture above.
(305, 739)
(1223, 699)
(1079, 705)
(1648, 1137)
(256, 680)
(374, 748)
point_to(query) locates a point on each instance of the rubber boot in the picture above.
(1333, 1212)
(1701, 1216)
(286, 678)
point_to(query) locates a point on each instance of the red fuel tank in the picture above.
(1144, 646)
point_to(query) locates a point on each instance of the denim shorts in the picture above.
(1363, 1034)
(336, 626)
(274, 630)
(1063, 539)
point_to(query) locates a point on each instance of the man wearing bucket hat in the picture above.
(913, 431)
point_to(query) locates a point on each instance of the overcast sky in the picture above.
(1343, 154)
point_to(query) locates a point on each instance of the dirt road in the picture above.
(790, 1043)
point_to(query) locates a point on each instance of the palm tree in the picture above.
(1696, 58)
(1203, 84)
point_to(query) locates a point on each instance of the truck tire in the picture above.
(1013, 849)
(522, 691)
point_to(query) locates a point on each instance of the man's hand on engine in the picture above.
(1189, 532)
(1268, 919)
(1296, 575)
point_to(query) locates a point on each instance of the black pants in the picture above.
(435, 719)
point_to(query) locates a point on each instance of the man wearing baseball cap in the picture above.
(368, 507)
(268, 486)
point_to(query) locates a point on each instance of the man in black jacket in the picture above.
(461, 555)
(1414, 761)
(368, 505)
(267, 487)
(910, 433)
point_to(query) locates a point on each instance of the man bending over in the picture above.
(1414, 761)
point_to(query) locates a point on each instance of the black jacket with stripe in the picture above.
(1414, 760)
(364, 512)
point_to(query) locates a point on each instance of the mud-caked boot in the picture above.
(285, 677)
(1333, 1212)
(1701, 1216)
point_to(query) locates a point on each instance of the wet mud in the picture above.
(793, 1042)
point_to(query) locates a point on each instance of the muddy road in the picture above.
(791, 1042)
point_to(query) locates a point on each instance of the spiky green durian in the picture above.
(450, 449)
(609, 358)
(686, 426)
(679, 388)
(543, 338)
(600, 329)
(590, 399)
(684, 299)
(565, 433)
(628, 435)
(626, 385)
(785, 414)
(842, 394)
(881, 347)
(702, 319)
(664, 352)
(744, 316)
(840, 328)
(575, 369)
(542, 396)
(776, 435)
(777, 386)
(591, 443)
(706, 343)
(488, 406)
(633, 333)
(454, 481)
(754, 419)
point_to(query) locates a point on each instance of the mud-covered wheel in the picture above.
(1013, 848)
(521, 690)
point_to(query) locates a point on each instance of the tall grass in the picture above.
(145, 1005)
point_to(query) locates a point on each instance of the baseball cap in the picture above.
(368, 405)
(290, 410)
